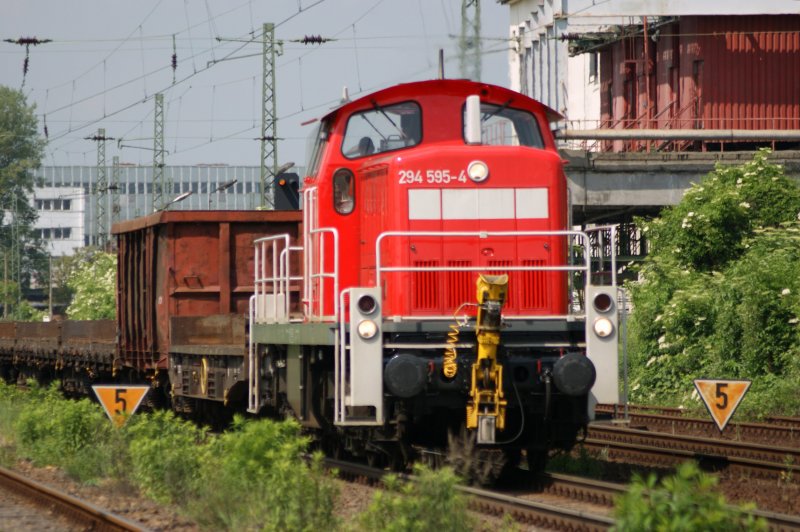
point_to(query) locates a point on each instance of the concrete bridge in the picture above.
(614, 187)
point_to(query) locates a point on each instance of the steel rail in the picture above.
(698, 444)
(545, 515)
(604, 493)
(80, 512)
(493, 503)
(674, 418)
(652, 455)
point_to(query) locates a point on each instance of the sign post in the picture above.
(120, 402)
(721, 397)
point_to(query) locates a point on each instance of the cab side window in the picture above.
(382, 129)
(344, 191)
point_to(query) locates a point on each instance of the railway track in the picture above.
(524, 511)
(618, 411)
(595, 494)
(603, 493)
(674, 420)
(84, 515)
(668, 450)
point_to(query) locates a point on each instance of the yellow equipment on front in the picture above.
(486, 410)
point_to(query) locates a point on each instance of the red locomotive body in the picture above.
(415, 179)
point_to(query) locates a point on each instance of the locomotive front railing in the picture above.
(579, 238)
(315, 273)
(273, 290)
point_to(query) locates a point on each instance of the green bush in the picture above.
(686, 501)
(166, 454)
(255, 478)
(719, 294)
(707, 228)
(430, 503)
(10, 404)
(68, 434)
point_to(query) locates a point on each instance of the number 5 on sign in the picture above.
(721, 397)
(120, 402)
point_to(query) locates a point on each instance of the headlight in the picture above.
(367, 304)
(603, 327)
(478, 171)
(367, 329)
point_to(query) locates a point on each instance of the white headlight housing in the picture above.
(603, 327)
(367, 329)
(478, 171)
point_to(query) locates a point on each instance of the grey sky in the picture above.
(108, 57)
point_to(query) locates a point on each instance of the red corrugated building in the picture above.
(702, 72)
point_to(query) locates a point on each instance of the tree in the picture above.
(94, 283)
(21, 151)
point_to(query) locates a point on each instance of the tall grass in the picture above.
(252, 477)
(255, 477)
(430, 503)
(69, 434)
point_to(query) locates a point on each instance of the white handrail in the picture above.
(279, 280)
(582, 236)
(253, 381)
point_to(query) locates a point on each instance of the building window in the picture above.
(55, 233)
(593, 67)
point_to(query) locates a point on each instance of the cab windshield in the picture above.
(381, 129)
(504, 126)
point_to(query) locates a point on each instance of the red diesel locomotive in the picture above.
(430, 291)
(440, 294)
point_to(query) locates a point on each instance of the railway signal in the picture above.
(721, 397)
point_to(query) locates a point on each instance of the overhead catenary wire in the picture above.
(149, 96)
(323, 105)
(217, 133)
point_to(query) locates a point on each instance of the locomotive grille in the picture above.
(425, 287)
(460, 285)
(533, 293)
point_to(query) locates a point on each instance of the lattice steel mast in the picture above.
(160, 185)
(269, 129)
(469, 43)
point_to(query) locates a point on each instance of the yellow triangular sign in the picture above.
(721, 397)
(120, 402)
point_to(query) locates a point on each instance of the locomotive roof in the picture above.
(456, 87)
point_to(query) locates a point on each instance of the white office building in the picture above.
(67, 197)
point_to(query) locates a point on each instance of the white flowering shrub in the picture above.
(708, 227)
(94, 283)
(719, 294)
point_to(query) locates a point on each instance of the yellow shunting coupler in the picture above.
(486, 410)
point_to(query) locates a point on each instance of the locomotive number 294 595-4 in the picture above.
(431, 177)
